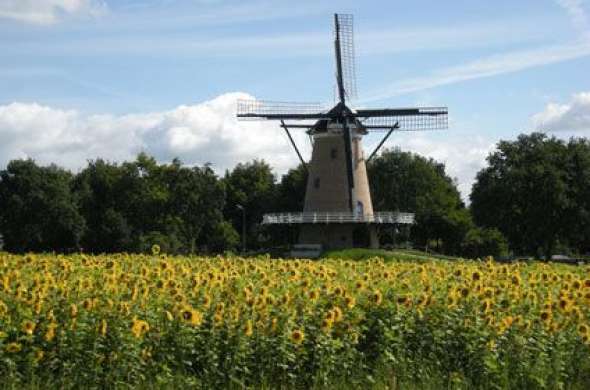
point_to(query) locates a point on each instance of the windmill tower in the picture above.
(337, 197)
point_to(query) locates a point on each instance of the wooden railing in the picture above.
(383, 217)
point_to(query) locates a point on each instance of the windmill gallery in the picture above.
(338, 202)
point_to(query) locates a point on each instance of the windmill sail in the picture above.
(345, 56)
(405, 119)
(251, 109)
(337, 181)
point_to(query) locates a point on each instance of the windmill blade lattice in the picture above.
(418, 119)
(251, 109)
(344, 29)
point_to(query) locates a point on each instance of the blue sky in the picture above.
(81, 79)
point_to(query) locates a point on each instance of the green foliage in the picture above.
(252, 186)
(534, 194)
(535, 190)
(363, 254)
(480, 243)
(136, 204)
(153, 320)
(38, 211)
(223, 237)
(291, 190)
(407, 182)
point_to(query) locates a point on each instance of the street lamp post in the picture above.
(239, 206)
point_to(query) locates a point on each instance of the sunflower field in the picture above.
(158, 321)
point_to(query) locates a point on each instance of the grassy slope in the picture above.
(399, 254)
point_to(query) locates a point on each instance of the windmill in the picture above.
(337, 198)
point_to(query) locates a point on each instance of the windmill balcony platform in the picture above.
(383, 217)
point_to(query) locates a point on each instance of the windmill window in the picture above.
(333, 153)
(316, 182)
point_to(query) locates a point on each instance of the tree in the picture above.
(291, 190)
(524, 193)
(578, 185)
(39, 211)
(106, 201)
(407, 182)
(480, 243)
(130, 207)
(290, 197)
(251, 185)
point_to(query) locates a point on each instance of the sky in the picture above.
(83, 79)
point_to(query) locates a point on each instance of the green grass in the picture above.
(394, 255)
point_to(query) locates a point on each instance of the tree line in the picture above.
(533, 197)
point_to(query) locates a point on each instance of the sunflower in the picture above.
(475, 276)
(87, 304)
(50, 334)
(139, 328)
(314, 295)
(349, 301)
(191, 316)
(28, 327)
(297, 336)
(451, 301)
(103, 327)
(218, 319)
(329, 316)
(577, 284)
(546, 315)
(248, 328)
(168, 315)
(3, 308)
(376, 297)
(337, 314)
(326, 325)
(13, 347)
(576, 312)
(491, 344)
(39, 355)
(285, 299)
(155, 249)
(564, 304)
(338, 291)
(583, 329)
(403, 299)
(464, 291)
(73, 310)
(516, 280)
(508, 321)
(423, 300)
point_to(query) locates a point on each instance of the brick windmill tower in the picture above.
(337, 198)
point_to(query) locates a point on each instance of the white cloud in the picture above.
(577, 14)
(501, 63)
(485, 67)
(463, 156)
(48, 11)
(200, 133)
(313, 42)
(573, 116)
